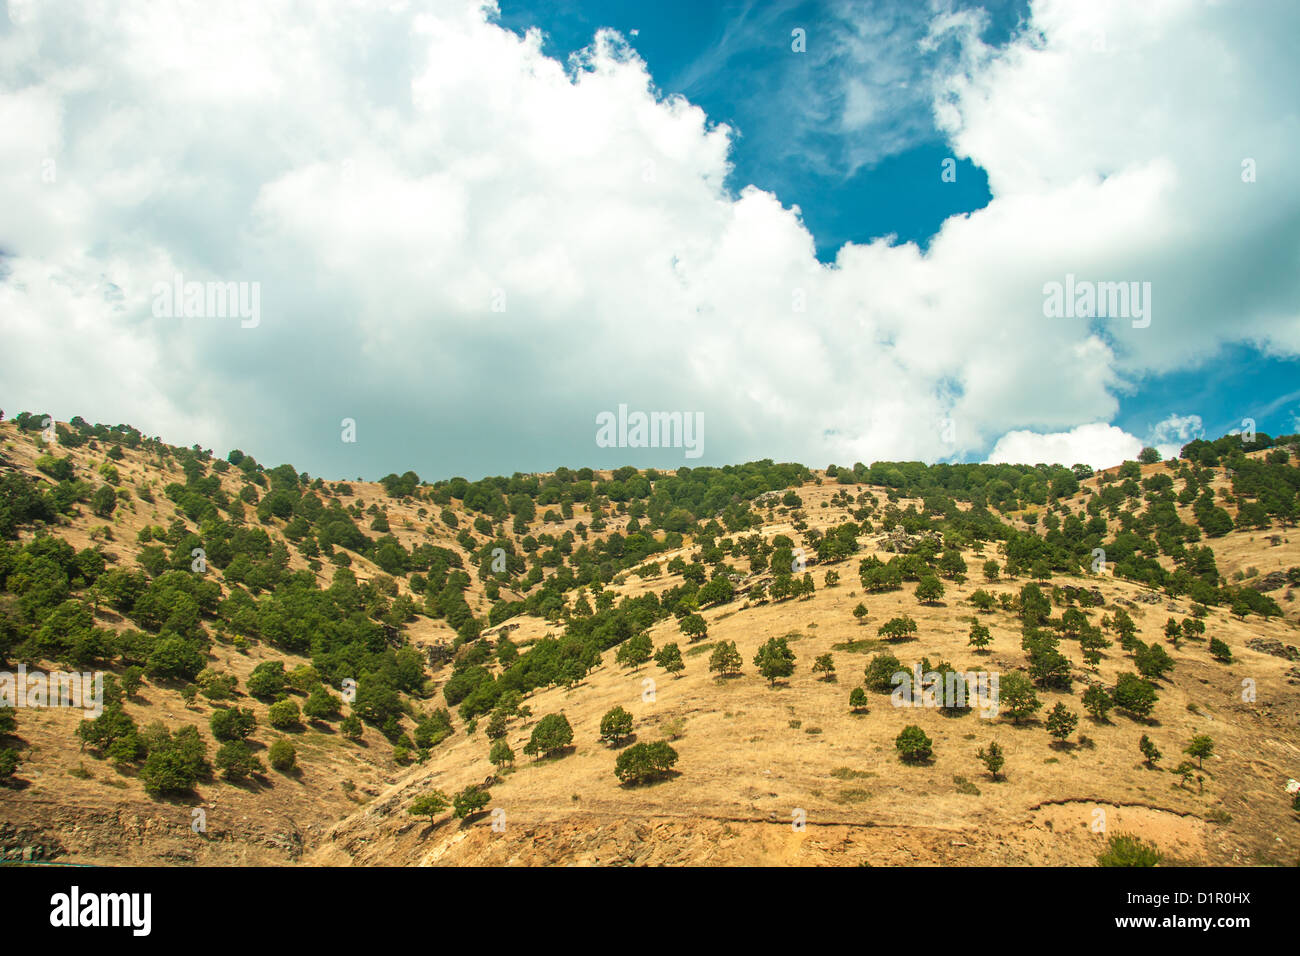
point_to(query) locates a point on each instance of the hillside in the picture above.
(458, 605)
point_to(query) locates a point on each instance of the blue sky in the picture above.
(473, 238)
(717, 56)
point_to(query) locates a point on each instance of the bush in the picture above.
(1134, 695)
(9, 763)
(175, 761)
(236, 761)
(283, 755)
(642, 763)
(913, 745)
(880, 671)
(268, 680)
(1125, 850)
(232, 723)
(470, 801)
(174, 658)
(284, 715)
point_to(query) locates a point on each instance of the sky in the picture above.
(453, 237)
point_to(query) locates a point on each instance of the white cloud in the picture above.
(1098, 445)
(385, 173)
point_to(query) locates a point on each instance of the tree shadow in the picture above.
(664, 777)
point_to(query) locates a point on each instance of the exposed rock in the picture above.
(1271, 581)
(1268, 645)
(899, 541)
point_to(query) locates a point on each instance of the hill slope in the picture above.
(397, 585)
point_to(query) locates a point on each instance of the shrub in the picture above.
(879, 672)
(283, 755)
(470, 801)
(284, 715)
(236, 761)
(913, 745)
(1125, 850)
(1134, 695)
(642, 763)
(232, 723)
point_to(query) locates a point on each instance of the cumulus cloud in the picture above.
(473, 249)
(1098, 445)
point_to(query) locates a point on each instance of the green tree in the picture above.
(929, 590)
(1097, 702)
(775, 660)
(284, 715)
(857, 700)
(1220, 651)
(321, 705)
(268, 680)
(236, 761)
(1061, 722)
(694, 627)
(103, 501)
(174, 658)
(615, 725)
(551, 735)
(500, 754)
(992, 757)
(825, 665)
(635, 651)
(1134, 695)
(725, 659)
(283, 755)
(232, 723)
(429, 805)
(897, 628)
(880, 671)
(470, 801)
(913, 745)
(980, 637)
(1201, 746)
(1150, 752)
(860, 612)
(669, 657)
(1017, 692)
(644, 762)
